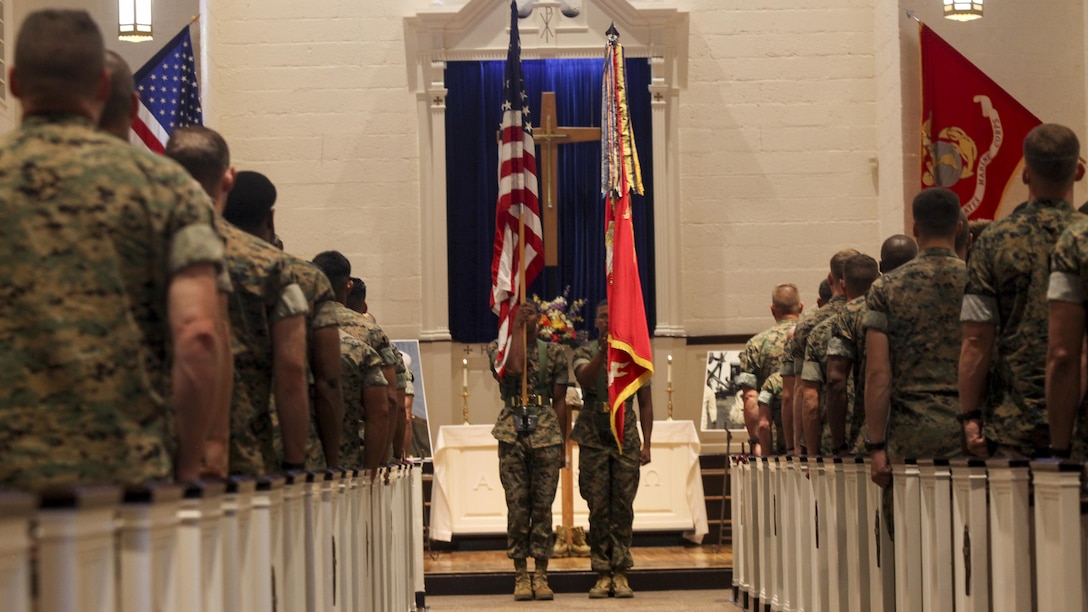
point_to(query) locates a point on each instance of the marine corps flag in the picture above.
(630, 361)
(972, 131)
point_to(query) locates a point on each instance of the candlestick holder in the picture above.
(464, 406)
(668, 390)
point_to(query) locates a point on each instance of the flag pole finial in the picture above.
(910, 13)
(612, 33)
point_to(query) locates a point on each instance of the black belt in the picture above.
(533, 401)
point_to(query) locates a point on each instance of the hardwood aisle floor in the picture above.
(652, 557)
(649, 601)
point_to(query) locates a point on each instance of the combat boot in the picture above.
(560, 549)
(578, 546)
(603, 588)
(523, 585)
(620, 588)
(541, 590)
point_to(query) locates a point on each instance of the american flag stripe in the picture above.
(518, 199)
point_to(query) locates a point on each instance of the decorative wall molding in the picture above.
(478, 30)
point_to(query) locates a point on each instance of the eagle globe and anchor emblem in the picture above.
(953, 155)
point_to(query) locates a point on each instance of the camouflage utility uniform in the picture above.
(93, 231)
(1069, 283)
(762, 358)
(1007, 279)
(917, 306)
(529, 462)
(848, 342)
(360, 368)
(265, 292)
(793, 359)
(607, 477)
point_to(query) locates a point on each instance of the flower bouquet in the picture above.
(557, 319)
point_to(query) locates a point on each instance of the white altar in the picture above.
(467, 496)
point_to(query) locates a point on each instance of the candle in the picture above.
(464, 373)
(668, 378)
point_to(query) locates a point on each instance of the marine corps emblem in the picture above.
(949, 159)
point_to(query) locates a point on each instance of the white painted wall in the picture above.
(798, 136)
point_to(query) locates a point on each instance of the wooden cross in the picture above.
(548, 136)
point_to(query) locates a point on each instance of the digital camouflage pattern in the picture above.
(541, 381)
(366, 330)
(530, 476)
(319, 301)
(400, 369)
(763, 353)
(265, 292)
(360, 368)
(1069, 282)
(1007, 279)
(848, 342)
(593, 426)
(793, 358)
(92, 232)
(771, 395)
(529, 464)
(917, 306)
(607, 480)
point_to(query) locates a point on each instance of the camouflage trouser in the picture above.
(529, 477)
(608, 482)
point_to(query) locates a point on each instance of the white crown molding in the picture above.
(478, 30)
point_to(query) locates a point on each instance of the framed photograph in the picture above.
(421, 440)
(722, 405)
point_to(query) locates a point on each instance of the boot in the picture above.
(560, 549)
(523, 585)
(578, 546)
(603, 588)
(619, 585)
(541, 590)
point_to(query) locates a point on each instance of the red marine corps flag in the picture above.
(519, 249)
(972, 132)
(630, 361)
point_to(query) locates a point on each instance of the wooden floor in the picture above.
(646, 558)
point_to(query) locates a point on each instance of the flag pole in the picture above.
(521, 302)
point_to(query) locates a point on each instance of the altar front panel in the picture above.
(467, 496)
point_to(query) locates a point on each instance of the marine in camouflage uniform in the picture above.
(360, 368)
(814, 372)
(793, 359)
(93, 233)
(847, 343)
(265, 293)
(529, 462)
(762, 359)
(608, 476)
(1007, 279)
(321, 326)
(1068, 284)
(917, 308)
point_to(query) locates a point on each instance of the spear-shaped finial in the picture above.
(612, 33)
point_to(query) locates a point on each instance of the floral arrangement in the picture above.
(557, 319)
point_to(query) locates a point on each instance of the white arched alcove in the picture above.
(479, 30)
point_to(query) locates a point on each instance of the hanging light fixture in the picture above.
(963, 10)
(134, 20)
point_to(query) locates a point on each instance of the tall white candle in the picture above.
(668, 378)
(464, 373)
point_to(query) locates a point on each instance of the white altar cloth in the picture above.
(467, 496)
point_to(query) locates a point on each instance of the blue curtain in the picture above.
(472, 120)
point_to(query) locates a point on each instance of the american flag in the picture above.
(169, 94)
(517, 201)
